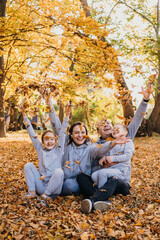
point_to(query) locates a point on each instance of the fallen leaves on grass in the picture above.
(135, 216)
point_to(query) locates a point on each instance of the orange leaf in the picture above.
(86, 136)
(47, 120)
(99, 145)
(152, 78)
(120, 117)
(107, 105)
(77, 162)
(109, 139)
(42, 177)
(68, 167)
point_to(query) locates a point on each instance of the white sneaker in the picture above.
(101, 205)
(29, 195)
(86, 206)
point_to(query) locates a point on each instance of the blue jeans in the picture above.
(70, 186)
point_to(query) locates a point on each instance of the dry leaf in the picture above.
(42, 177)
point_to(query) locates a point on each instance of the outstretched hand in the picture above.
(68, 111)
(147, 92)
(120, 140)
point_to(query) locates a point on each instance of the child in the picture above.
(49, 179)
(120, 154)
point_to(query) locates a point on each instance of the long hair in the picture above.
(70, 139)
(48, 131)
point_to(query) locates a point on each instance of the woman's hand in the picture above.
(147, 92)
(119, 140)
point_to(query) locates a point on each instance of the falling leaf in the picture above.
(109, 139)
(152, 78)
(107, 105)
(67, 162)
(103, 190)
(86, 136)
(68, 167)
(122, 118)
(42, 177)
(48, 119)
(34, 137)
(99, 145)
(78, 162)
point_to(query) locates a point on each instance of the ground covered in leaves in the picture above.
(131, 217)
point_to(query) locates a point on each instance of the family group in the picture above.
(72, 164)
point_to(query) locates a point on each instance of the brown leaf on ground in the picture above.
(135, 216)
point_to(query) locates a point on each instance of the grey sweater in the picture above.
(52, 159)
(78, 159)
(132, 130)
(87, 164)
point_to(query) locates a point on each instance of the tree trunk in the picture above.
(154, 117)
(124, 95)
(13, 125)
(2, 121)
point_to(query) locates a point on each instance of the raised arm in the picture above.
(36, 142)
(62, 133)
(138, 117)
(56, 124)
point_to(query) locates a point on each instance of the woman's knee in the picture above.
(70, 187)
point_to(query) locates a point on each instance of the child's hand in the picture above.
(147, 92)
(102, 161)
(68, 111)
(109, 159)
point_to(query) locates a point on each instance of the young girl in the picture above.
(49, 179)
(121, 154)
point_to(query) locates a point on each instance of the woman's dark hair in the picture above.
(44, 133)
(70, 139)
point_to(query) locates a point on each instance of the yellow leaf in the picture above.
(103, 190)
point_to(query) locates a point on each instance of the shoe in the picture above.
(43, 202)
(86, 206)
(54, 196)
(29, 195)
(101, 205)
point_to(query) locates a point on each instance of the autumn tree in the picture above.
(58, 39)
(141, 45)
(123, 91)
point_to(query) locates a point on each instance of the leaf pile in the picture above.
(132, 217)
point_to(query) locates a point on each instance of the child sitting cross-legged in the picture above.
(120, 154)
(49, 179)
